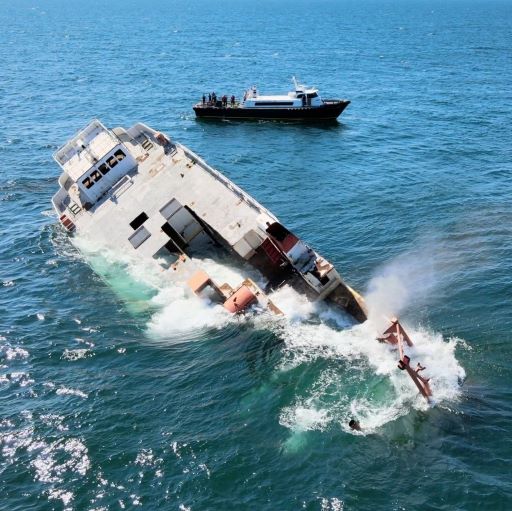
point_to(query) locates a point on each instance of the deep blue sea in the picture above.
(118, 391)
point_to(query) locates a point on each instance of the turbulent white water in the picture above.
(411, 277)
(370, 388)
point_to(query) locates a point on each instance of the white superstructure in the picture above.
(300, 97)
(135, 190)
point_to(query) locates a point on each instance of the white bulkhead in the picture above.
(300, 97)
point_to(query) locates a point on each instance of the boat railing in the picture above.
(218, 104)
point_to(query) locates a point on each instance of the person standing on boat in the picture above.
(204, 99)
(233, 100)
(209, 99)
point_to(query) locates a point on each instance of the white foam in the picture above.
(55, 421)
(145, 458)
(19, 377)
(11, 441)
(314, 331)
(306, 342)
(332, 504)
(135, 500)
(178, 310)
(203, 467)
(65, 391)
(90, 329)
(295, 306)
(304, 417)
(181, 313)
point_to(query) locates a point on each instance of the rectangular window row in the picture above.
(103, 169)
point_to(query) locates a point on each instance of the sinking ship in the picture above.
(301, 104)
(137, 191)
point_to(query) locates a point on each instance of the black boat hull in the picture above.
(330, 110)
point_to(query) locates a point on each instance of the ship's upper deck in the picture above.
(85, 149)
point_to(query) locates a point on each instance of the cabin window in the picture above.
(112, 162)
(119, 155)
(314, 95)
(87, 182)
(104, 168)
(139, 237)
(96, 176)
(138, 220)
(273, 103)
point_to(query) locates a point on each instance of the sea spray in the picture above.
(406, 280)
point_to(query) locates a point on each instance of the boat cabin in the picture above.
(300, 97)
(92, 162)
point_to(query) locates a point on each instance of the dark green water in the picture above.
(117, 391)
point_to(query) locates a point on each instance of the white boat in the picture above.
(135, 190)
(301, 104)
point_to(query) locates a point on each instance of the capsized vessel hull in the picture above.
(136, 191)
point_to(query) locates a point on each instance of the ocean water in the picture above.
(118, 391)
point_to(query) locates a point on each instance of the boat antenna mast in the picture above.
(299, 87)
(294, 80)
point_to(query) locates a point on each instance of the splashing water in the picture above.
(411, 277)
(367, 387)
